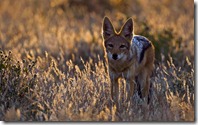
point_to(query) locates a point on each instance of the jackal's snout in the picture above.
(115, 56)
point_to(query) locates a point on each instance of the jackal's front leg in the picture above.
(114, 88)
(144, 86)
(129, 88)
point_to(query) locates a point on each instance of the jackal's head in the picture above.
(117, 44)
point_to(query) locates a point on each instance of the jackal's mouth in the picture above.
(116, 57)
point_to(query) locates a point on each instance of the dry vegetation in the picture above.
(52, 66)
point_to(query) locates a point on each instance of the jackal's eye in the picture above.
(123, 47)
(110, 45)
(107, 34)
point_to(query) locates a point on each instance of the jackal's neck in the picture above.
(122, 66)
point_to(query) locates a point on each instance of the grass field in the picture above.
(52, 65)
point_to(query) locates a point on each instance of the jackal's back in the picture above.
(141, 44)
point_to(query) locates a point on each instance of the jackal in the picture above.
(129, 56)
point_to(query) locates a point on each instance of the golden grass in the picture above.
(52, 65)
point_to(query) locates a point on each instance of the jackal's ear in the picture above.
(107, 28)
(127, 29)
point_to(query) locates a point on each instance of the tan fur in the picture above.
(122, 57)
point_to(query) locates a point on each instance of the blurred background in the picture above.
(52, 65)
(73, 27)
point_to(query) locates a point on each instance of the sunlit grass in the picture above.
(52, 65)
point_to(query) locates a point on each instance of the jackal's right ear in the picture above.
(107, 28)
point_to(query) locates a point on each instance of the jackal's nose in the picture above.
(115, 56)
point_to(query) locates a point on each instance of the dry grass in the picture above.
(52, 65)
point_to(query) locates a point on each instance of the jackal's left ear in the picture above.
(127, 29)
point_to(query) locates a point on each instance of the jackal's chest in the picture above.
(121, 66)
(127, 72)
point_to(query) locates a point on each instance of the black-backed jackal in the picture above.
(129, 56)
